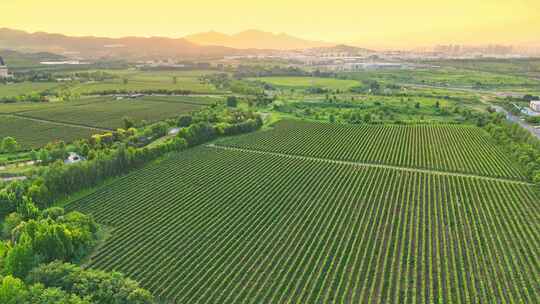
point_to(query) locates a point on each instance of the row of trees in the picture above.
(52, 76)
(524, 147)
(147, 91)
(116, 153)
(9, 145)
(32, 97)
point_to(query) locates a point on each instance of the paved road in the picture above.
(516, 119)
(509, 116)
(370, 165)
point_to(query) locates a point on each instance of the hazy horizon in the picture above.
(380, 24)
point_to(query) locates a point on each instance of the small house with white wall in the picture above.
(535, 105)
(73, 158)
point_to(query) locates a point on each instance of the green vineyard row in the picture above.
(223, 226)
(452, 148)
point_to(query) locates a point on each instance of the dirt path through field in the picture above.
(56, 122)
(371, 165)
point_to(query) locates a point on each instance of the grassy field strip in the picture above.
(369, 165)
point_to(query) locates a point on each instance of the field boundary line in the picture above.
(368, 165)
(66, 124)
(177, 102)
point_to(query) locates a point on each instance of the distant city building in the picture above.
(480, 50)
(4, 73)
(535, 105)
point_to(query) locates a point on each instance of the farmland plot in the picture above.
(108, 113)
(213, 225)
(452, 148)
(31, 134)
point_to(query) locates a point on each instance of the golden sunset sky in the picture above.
(373, 22)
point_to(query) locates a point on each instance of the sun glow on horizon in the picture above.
(384, 23)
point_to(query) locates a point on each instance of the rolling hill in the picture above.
(100, 47)
(255, 39)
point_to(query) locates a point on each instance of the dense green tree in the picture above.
(9, 145)
(98, 286)
(185, 121)
(159, 129)
(128, 122)
(27, 209)
(20, 259)
(11, 221)
(15, 291)
(44, 157)
(85, 149)
(34, 155)
(232, 101)
(12, 291)
(332, 118)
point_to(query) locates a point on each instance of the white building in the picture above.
(73, 158)
(3, 69)
(535, 105)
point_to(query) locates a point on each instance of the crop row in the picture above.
(452, 148)
(31, 134)
(219, 226)
(109, 114)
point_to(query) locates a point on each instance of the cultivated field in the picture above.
(309, 82)
(105, 112)
(453, 148)
(36, 124)
(229, 225)
(32, 134)
(24, 88)
(140, 81)
(450, 77)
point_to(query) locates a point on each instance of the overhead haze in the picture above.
(385, 23)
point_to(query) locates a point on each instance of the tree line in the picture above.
(116, 153)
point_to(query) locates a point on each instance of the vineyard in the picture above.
(452, 148)
(213, 225)
(31, 134)
(108, 113)
(36, 124)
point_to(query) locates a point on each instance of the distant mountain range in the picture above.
(255, 39)
(211, 44)
(16, 59)
(115, 48)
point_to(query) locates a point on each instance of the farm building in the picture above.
(73, 158)
(535, 105)
(3, 69)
